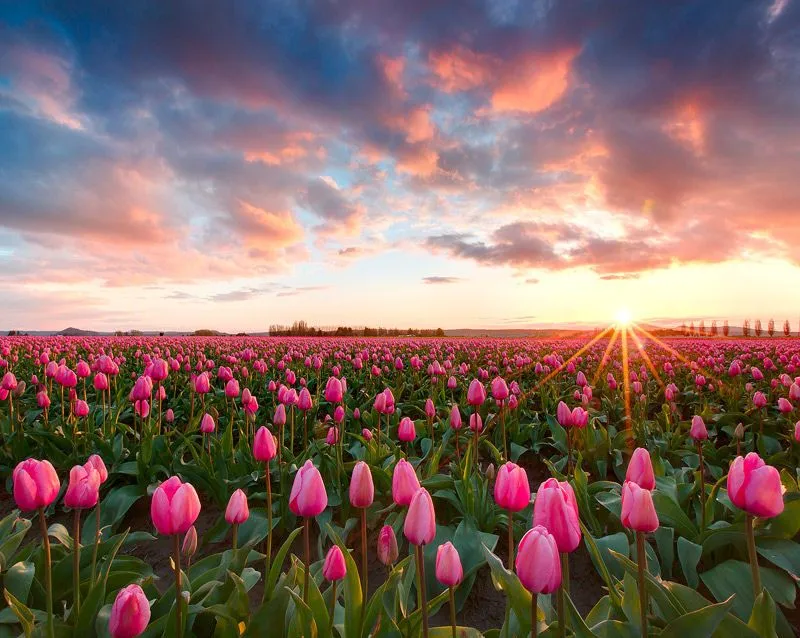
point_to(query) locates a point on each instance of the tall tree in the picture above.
(746, 328)
(771, 328)
(726, 329)
(787, 328)
(758, 329)
(714, 330)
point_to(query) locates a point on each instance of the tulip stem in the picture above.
(305, 430)
(702, 469)
(176, 550)
(76, 561)
(641, 558)
(751, 552)
(363, 555)
(269, 527)
(510, 541)
(421, 585)
(534, 613)
(48, 575)
(562, 591)
(503, 428)
(477, 434)
(453, 610)
(307, 542)
(333, 604)
(97, 536)
(235, 536)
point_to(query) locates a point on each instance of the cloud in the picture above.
(441, 280)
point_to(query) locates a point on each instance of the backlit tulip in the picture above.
(638, 511)
(555, 509)
(96, 463)
(304, 401)
(698, 430)
(512, 491)
(189, 545)
(785, 406)
(81, 409)
(308, 497)
(174, 507)
(83, 489)
(476, 394)
(264, 446)
(130, 613)
(455, 418)
(430, 410)
(387, 546)
(755, 487)
(475, 422)
(35, 484)
(237, 511)
(333, 390)
(406, 431)
(404, 483)
(362, 490)
(279, 417)
(640, 469)
(332, 436)
(420, 524)
(169, 417)
(449, 571)
(499, 389)
(797, 431)
(563, 415)
(538, 564)
(207, 425)
(759, 400)
(334, 568)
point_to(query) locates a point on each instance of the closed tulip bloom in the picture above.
(35, 484)
(698, 430)
(640, 469)
(797, 431)
(304, 401)
(538, 564)
(334, 567)
(142, 408)
(755, 487)
(367, 434)
(100, 381)
(555, 508)
(237, 511)
(406, 430)
(130, 613)
(579, 417)
(189, 545)
(785, 406)
(563, 415)
(232, 389)
(264, 446)
(362, 490)
(794, 392)
(455, 418)
(760, 400)
(42, 399)
(452, 383)
(279, 418)
(499, 389)
(476, 393)
(9, 382)
(333, 436)
(475, 422)
(81, 408)
(174, 507)
(430, 410)
(638, 511)
(169, 417)
(83, 489)
(96, 463)
(449, 571)
(388, 405)
(404, 483)
(338, 415)
(387, 546)
(202, 384)
(512, 491)
(207, 425)
(159, 370)
(308, 497)
(333, 390)
(420, 525)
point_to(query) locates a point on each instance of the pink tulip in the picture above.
(169, 417)
(512, 491)
(332, 438)
(794, 392)
(404, 483)
(42, 399)
(174, 507)
(640, 469)
(499, 389)
(333, 390)
(797, 431)
(638, 511)
(9, 382)
(785, 406)
(579, 418)
(35, 484)
(555, 508)
(475, 422)
(232, 389)
(308, 497)
(81, 409)
(538, 563)
(563, 415)
(338, 415)
(430, 410)
(83, 489)
(304, 401)
(367, 434)
(202, 384)
(406, 431)
(100, 382)
(237, 511)
(334, 567)
(265, 448)
(387, 546)
(755, 487)
(476, 394)
(449, 571)
(760, 400)
(279, 418)
(420, 525)
(96, 463)
(362, 490)
(207, 425)
(698, 430)
(455, 418)
(130, 613)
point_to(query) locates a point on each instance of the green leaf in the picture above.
(518, 596)
(698, 624)
(17, 580)
(113, 509)
(670, 607)
(689, 554)
(447, 632)
(631, 604)
(762, 619)
(61, 534)
(671, 514)
(665, 541)
(692, 601)
(277, 563)
(13, 540)
(782, 553)
(353, 596)
(21, 611)
(786, 524)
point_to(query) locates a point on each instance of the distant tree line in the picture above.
(302, 329)
(756, 329)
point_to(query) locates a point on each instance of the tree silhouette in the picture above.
(726, 329)
(771, 328)
(758, 329)
(787, 329)
(746, 328)
(714, 330)
(691, 328)
(702, 328)
(684, 329)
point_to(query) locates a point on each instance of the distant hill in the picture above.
(77, 332)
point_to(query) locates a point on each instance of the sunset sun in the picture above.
(623, 317)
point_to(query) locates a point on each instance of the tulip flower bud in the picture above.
(334, 567)
(755, 487)
(738, 432)
(308, 497)
(420, 524)
(638, 511)
(538, 564)
(387, 546)
(449, 571)
(189, 546)
(130, 613)
(237, 511)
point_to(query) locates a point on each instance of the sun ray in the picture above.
(626, 377)
(577, 354)
(604, 361)
(648, 362)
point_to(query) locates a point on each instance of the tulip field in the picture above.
(617, 486)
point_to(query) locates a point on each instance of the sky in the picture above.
(427, 163)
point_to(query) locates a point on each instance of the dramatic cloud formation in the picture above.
(209, 149)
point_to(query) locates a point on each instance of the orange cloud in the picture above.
(460, 69)
(393, 69)
(534, 83)
(688, 127)
(420, 161)
(416, 124)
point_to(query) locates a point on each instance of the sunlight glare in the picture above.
(624, 317)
